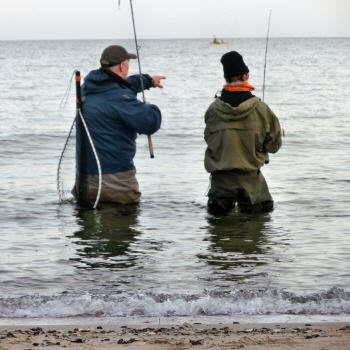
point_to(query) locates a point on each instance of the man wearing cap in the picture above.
(240, 132)
(114, 116)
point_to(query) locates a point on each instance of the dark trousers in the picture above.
(248, 189)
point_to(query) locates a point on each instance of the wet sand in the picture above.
(321, 336)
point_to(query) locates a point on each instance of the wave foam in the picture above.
(335, 301)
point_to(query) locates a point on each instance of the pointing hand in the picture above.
(156, 81)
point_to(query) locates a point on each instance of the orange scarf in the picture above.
(245, 86)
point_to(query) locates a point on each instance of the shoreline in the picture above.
(154, 336)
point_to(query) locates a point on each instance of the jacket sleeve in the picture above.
(273, 139)
(142, 118)
(135, 82)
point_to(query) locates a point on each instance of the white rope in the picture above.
(96, 157)
(60, 191)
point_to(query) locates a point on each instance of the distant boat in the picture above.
(218, 42)
(222, 43)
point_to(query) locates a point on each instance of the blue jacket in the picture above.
(114, 117)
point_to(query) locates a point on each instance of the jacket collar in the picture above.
(235, 98)
(116, 77)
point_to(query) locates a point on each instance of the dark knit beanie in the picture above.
(233, 65)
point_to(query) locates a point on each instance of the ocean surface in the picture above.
(166, 258)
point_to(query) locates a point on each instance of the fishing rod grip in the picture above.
(150, 146)
(78, 89)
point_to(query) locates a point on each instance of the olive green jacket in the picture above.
(240, 137)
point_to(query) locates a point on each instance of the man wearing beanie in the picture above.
(114, 116)
(240, 132)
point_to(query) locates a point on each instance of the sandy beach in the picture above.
(321, 336)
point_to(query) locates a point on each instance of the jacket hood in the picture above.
(226, 112)
(97, 81)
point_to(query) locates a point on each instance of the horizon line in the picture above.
(182, 38)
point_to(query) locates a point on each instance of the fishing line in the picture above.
(267, 41)
(150, 145)
(59, 182)
(66, 94)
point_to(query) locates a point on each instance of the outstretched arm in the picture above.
(147, 80)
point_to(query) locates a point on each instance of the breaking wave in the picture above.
(334, 301)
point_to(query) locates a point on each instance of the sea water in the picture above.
(166, 258)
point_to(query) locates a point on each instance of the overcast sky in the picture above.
(101, 19)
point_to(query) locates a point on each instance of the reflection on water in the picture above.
(105, 235)
(237, 244)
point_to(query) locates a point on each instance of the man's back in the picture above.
(240, 138)
(114, 117)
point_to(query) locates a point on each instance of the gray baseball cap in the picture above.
(114, 55)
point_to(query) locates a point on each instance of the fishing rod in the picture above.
(150, 144)
(82, 190)
(267, 41)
